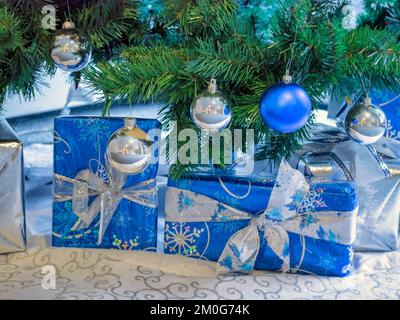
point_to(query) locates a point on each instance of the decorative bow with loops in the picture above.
(108, 196)
(241, 250)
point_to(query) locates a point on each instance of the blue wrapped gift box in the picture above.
(79, 144)
(390, 101)
(206, 236)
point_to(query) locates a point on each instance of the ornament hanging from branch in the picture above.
(129, 149)
(285, 107)
(211, 109)
(71, 50)
(365, 123)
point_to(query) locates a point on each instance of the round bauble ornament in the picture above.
(71, 51)
(365, 123)
(211, 109)
(285, 107)
(129, 149)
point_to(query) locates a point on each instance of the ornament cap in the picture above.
(130, 123)
(367, 101)
(212, 86)
(68, 24)
(287, 78)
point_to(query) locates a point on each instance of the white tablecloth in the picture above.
(108, 274)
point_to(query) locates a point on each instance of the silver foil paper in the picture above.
(378, 189)
(12, 213)
(314, 166)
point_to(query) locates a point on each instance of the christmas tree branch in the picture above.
(107, 21)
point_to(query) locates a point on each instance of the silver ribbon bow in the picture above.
(241, 250)
(108, 192)
(286, 212)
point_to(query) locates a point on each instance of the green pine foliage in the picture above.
(376, 12)
(25, 46)
(393, 17)
(165, 52)
(327, 60)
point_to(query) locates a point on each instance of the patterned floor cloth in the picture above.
(108, 274)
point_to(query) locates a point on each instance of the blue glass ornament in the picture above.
(285, 107)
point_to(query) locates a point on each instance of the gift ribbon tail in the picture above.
(109, 204)
(278, 240)
(240, 252)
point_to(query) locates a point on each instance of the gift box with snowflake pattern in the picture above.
(128, 220)
(205, 214)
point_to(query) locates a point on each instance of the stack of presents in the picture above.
(330, 199)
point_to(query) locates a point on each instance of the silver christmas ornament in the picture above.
(71, 51)
(211, 110)
(129, 149)
(365, 123)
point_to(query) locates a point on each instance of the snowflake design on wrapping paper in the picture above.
(312, 201)
(308, 220)
(90, 130)
(125, 245)
(275, 214)
(325, 235)
(297, 200)
(184, 201)
(227, 263)
(327, 262)
(218, 213)
(181, 238)
(391, 133)
(235, 258)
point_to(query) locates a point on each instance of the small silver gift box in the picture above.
(12, 217)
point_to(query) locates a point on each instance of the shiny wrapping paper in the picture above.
(331, 155)
(80, 144)
(12, 217)
(390, 104)
(203, 213)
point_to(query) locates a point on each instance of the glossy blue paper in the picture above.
(391, 107)
(80, 143)
(206, 240)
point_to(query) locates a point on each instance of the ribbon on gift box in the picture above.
(330, 136)
(108, 192)
(322, 167)
(285, 213)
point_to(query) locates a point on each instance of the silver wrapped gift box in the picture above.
(12, 217)
(330, 155)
